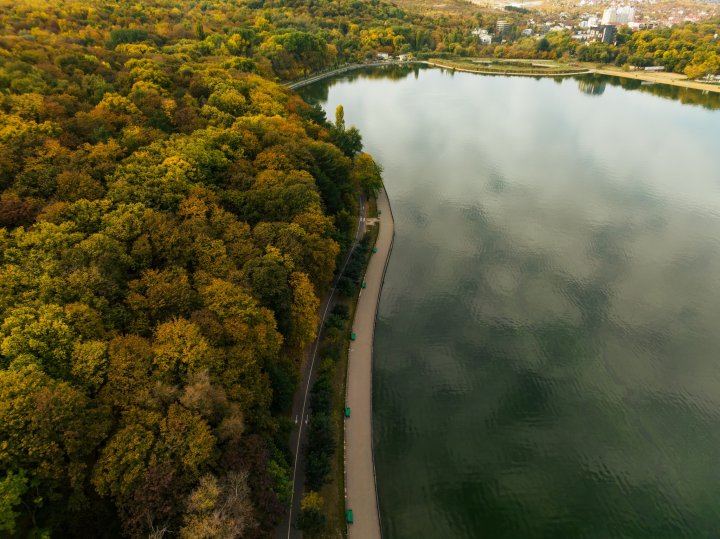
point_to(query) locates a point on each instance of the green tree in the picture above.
(311, 519)
(303, 311)
(340, 118)
(49, 429)
(12, 489)
(367, 174)
(199, 31)
(270, 279)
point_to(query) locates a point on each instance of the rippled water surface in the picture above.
(547, 352)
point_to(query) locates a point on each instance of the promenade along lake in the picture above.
(547, 354)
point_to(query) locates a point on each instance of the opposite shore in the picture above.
(671, 79)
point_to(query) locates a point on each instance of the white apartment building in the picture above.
(618, 15)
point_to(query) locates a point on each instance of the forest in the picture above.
(169, 217)
(278, 39)
(168, 220)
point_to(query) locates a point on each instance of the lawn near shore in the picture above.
(673, 79)
(498, 66)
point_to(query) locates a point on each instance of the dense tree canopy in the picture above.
(168, 220)
(276, 38)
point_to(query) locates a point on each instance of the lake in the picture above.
(547, 352)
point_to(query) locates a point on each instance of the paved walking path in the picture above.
(673, 79)
(350, 67)
(359, 463)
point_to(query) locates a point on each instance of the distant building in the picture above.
(618, 15)
(502, 27)
(383, 56)
(626, 15)
(592, 22)
(608, 15)
(527, 32)
(608, 34)
(483, 35)
(605, 33)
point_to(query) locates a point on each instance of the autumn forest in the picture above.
(168, 220)
(170, 215)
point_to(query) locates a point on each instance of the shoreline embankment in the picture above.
(670, 79)
(360, 480)
(509, 72)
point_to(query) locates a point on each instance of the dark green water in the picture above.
(547, 352)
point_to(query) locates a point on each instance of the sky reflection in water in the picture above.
(547, 348)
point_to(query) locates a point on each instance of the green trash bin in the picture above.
(347, 411)
(374, 249)
(353, 336)
(364, 284)
(349, 516)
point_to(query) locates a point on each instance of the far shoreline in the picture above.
(670, 79)
(508, 72)
(656, 77)
(661, 77)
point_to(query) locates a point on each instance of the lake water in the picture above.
(547, 354)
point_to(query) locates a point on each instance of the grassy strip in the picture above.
(498, 67)
(671, 79)
(372, 210)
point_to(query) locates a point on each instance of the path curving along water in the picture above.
(294, 85)
(360, 483)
